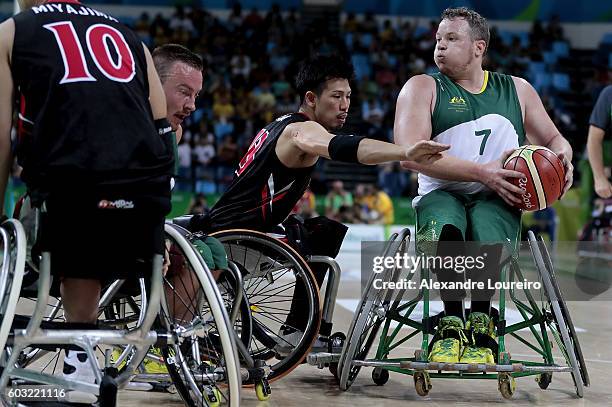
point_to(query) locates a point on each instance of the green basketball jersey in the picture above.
(478, 126)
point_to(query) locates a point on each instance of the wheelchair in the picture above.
(546, 319)
(199, 353)
(272, 272)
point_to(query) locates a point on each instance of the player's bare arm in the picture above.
(309, 140)
(541, 130)
(414, 107)
(7, 33)
(603, 188)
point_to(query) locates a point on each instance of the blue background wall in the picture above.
(518, 10)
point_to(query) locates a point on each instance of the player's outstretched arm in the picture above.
(7, 33)
(541, 130)
(313, 139)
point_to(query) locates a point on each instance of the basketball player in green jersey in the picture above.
(467, 195)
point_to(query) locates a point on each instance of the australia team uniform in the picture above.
(479, 127)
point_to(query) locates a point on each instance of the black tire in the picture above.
(566, 314)
(558, 321)
(264, 260)
(367, 321)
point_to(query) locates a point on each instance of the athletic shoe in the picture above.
(482, 339)
(154, 365)
(78, 368)
(448, 341)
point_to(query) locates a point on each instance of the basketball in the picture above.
(544, 176)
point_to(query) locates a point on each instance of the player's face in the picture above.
(455, 50)
(331, 108)
(181, 85)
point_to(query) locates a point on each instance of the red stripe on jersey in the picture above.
(264, 199)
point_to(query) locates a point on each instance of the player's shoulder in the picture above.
(606, 93)
(421, 80)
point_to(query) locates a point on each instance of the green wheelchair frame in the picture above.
(547, 321)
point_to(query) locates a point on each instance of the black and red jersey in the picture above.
(264, 191)
(83, 95)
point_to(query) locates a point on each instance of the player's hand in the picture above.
(603, 188)
(495, 177)
(425, 152)
(569, 173)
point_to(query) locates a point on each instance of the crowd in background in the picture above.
(252, 56)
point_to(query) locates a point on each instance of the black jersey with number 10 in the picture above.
(83, 96)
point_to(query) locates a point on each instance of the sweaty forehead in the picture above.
(457, 25)
(186, 75)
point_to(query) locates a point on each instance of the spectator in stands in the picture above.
(600, 123)
(184, 167)
(380, 205)
(199, 205)
(306, 206)
(336, 198)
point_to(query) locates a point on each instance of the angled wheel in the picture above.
(11, 274)
(566, 314)
(204, 364)
(371, 313)
(557, 315)
(273, 272)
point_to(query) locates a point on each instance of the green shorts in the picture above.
(212, 252)
(480, 217)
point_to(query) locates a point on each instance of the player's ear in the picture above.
(480, 46)
(310, 98)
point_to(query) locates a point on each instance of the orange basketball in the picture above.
(544, 176)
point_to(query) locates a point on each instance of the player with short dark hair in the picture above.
(276, 170)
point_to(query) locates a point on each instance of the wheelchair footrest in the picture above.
(322, 359)
(477, 367)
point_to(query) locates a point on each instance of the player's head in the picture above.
(461, 40)
(180, 71)
(26, 4)
(323, 85)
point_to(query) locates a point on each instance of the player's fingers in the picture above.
(511, 174)
(513, 190)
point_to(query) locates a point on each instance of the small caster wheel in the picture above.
(380, 376)
(213, 396)
(506, 385)
(108, 392)
(422, 383)
(333, 368)
(544, 380)
(171, 389)
(335, 342)
(262, 390)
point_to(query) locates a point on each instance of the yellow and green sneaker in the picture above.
(154, 362)
(482, 344)
(448, 341)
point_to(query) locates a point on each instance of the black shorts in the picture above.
(103, 237)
